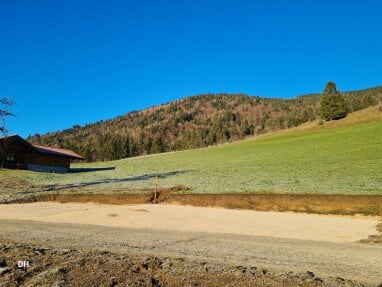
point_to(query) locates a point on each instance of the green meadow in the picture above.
(341, 157)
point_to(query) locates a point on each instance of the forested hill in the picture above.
(194, 122)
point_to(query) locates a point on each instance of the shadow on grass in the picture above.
(147, 176)
(90, 169)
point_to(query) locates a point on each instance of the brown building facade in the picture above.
(17, 153)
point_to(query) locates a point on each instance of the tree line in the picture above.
(199, 121)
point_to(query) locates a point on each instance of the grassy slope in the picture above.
(342, 157)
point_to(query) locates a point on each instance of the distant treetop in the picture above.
(330, 88)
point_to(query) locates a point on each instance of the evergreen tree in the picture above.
(157, 145)
(134, 148)
(333, 103)
(126, 150)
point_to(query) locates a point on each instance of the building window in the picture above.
(55, 162)
(10, 157)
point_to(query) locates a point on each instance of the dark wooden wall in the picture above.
(24, 155)
(49, 160)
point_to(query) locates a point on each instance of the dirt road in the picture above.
(201, 219)
(362, 262)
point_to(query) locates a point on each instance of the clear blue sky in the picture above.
(70, 62)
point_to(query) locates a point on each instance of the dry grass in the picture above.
(14, 183)
(321, 204)
(369, 115)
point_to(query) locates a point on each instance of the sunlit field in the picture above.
(341, 157)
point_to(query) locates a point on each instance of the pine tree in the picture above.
(333, 103)
(126, 148)
(157, 145)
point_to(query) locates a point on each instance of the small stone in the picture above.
(64, 251)
(63, 269)
(40, 250)
(113, 281)
(6, 248)
(136, 269)
(145, 265)
(3, 270)
(59, 284)
(241, 268)
(159, 262)
(252, 270)
(154, 282)
(318, 279)
(310, 274)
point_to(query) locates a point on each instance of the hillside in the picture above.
(194, 122)
(339, 157)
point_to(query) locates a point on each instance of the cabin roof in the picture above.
(16, 137)
(46, 150)
(57, 151)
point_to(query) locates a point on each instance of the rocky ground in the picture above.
(49, 266)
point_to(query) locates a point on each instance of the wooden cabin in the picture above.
(17, 153)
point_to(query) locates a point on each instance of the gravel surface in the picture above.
(332, 228)
(354, 261)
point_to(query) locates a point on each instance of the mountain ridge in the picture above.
(194, 121)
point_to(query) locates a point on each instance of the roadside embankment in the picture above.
(307, 203)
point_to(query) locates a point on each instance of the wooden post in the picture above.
(156, 188)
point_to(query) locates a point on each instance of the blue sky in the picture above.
(75, 62)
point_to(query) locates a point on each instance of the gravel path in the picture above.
(362, 262)
(345, 229)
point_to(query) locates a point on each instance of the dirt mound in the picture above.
(49, 266)
(162, 194)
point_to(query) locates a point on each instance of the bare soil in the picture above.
(50, 266)
(13, 183)
(62, 254)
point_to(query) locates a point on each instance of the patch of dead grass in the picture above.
(319, 204)
(11, 182)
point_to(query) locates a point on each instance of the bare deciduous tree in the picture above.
(5, 104)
